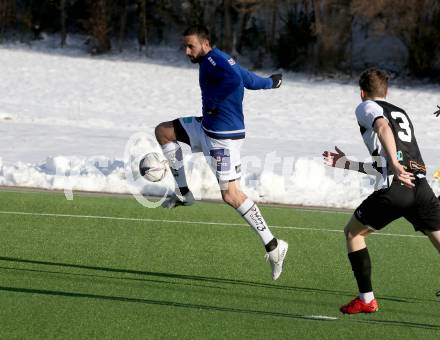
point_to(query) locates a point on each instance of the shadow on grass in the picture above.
(193, 278)
(185, 277)
(199, 307)
(94, 276)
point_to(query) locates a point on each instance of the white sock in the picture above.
(250, 212)
(173, 153)
(366, 297)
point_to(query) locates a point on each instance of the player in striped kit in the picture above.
(403, 190)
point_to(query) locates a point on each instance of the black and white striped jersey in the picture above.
(408, 152)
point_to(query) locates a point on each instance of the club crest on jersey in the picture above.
(212, 61)
(417, 167)
(231, 61)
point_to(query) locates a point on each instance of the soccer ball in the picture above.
(152, 168)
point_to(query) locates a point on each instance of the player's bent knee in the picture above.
(164, 132)
(348, 234)
(158, 132)
(355, 228)
(352, 233)
(227, 197)
(231, 198)
(348, 231)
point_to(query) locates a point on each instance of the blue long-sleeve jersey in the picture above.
(222, 82)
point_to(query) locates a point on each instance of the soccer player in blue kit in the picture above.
(219, 133)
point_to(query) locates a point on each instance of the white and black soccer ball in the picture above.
(152, 167)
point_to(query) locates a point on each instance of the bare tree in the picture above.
(122, 22)
(142, 34)
(332, 30)
(7, 15)
(411, 21)
(245, 8)
(227, 33)
(99, 26)
(274, 16)
(397, 17)
(63, 22)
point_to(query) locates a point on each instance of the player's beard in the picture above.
(196, 59)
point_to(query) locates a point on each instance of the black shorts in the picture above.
(179, 130)
(418, 205)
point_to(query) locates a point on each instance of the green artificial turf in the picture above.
(118, 270)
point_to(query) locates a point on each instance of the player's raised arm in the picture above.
(437, 113)
(252, 81)
(386, 137)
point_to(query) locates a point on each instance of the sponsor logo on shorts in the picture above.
(238, 168)
(231, 61)
(222, 159)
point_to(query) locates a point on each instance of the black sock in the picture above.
(271, 245)
(361, 265)
(183, 190)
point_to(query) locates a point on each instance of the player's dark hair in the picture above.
(200, 30)
(374, 82)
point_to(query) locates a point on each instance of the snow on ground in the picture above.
(71, 121)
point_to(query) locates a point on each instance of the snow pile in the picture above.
(72, 122)
(309, 182)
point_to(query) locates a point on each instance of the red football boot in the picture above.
(358, 306)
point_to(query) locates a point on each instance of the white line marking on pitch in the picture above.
(109, 194)
(186, 222)
(320, 317)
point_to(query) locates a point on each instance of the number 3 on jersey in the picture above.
(406, 134)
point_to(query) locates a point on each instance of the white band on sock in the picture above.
(245, 206)
(366, 297)
(252, 215)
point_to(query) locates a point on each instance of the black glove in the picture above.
(437, 113)
(277, 79)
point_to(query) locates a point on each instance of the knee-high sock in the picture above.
(252, 215)
(361, 265)
(173, 153)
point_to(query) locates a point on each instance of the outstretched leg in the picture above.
(249, 211)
